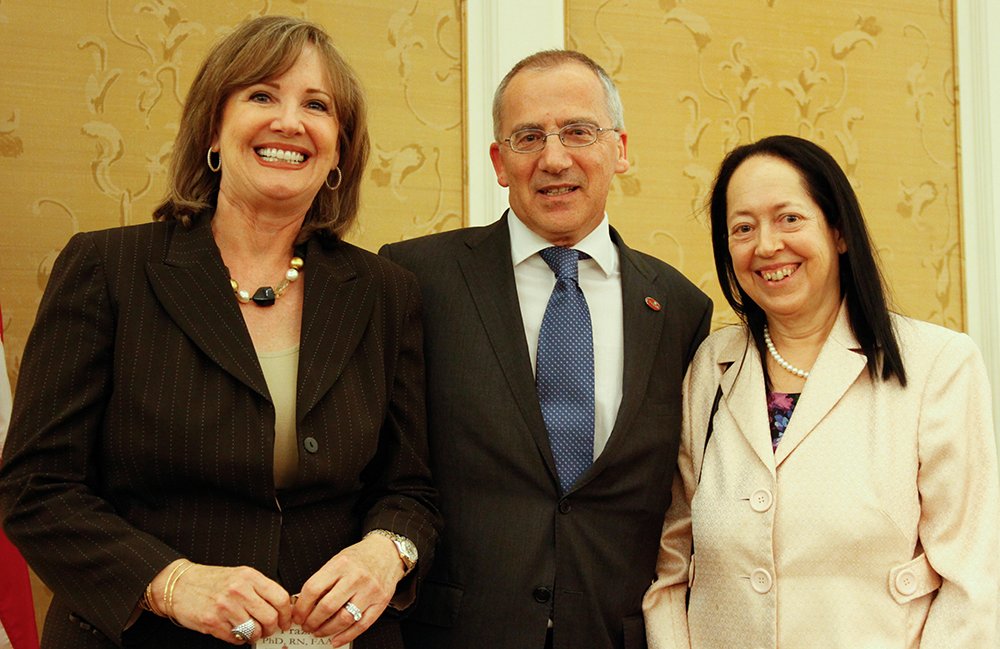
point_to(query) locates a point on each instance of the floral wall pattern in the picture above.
(871, 81)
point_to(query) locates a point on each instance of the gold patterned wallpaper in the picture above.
(870, 80)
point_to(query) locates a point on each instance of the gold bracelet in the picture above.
(146, 601)
(170, 577)
(170, 594)
(168, 590)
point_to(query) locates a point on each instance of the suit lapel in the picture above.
(743, 398)
(336, 312)
(193, 286)
(642, 328)
(489, 275)
(837, 368)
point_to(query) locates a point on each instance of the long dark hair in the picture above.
(861, 281)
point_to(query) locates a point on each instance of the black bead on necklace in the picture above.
(266, 295)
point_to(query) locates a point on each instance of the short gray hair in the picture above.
(547, 59)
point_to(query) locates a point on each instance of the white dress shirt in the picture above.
(601, 282)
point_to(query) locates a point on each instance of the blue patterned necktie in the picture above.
(564, 369)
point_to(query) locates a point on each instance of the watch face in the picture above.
(407, 548)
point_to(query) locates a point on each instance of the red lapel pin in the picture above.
(653, 304)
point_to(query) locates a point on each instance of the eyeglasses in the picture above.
(532, 140)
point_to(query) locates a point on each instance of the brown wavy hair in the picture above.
(258, 50)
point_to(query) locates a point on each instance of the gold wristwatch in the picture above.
(404, 546)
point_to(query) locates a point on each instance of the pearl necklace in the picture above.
(265, 295)
(779, 359)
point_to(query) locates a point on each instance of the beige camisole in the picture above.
(281, 371)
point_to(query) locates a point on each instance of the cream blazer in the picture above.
(873, 526)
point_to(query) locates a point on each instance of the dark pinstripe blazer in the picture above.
(143, 429)
(515, 552)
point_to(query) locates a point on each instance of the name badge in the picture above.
(296, 637)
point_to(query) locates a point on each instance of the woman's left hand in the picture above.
(364, 574)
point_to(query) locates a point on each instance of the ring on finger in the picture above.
(245, 630)
(353, 610)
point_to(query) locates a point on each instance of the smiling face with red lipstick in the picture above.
(559, 192)
(784, 254)
(278, 139)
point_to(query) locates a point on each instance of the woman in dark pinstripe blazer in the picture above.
(185, 455)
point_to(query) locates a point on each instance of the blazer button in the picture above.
(760, 500)
(760, 580)
(542, 594)
(565, 507)
(906, 582)
(310, 444)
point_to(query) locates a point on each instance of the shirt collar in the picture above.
(524, 243)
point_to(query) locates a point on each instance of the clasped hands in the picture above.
(216, 599)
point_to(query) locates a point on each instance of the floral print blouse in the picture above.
(779, 411)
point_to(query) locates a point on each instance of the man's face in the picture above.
(559, 192)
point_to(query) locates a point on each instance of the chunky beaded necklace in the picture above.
(779, 359)
(266, 295)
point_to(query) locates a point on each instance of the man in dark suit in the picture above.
(553, 450)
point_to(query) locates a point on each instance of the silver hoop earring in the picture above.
(340, 178)
(209, 157)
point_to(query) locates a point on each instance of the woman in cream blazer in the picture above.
(867, 517)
